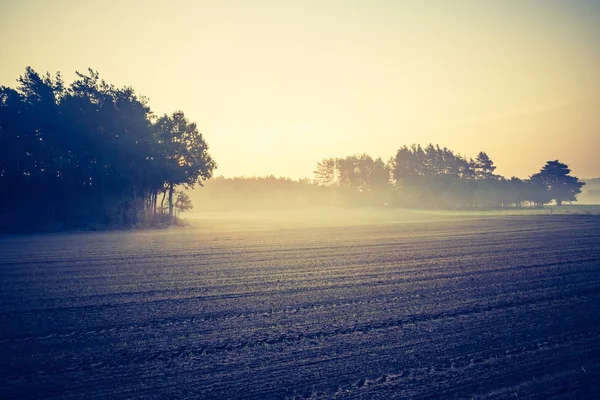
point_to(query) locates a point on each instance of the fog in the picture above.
(281, 203)
(590, 194)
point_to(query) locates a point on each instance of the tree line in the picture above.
(416, 177)
(435, 177)
(92, 155)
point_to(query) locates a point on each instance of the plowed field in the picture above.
(482, 308)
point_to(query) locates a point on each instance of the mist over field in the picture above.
(230, 199)
(591, 192)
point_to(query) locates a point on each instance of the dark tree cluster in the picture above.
(435, 177)
(91, 155)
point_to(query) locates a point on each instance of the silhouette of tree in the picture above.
(561, 186)
(325, 174)
(404, 167)
(436, 177)
(484, 167)
(88, 154)
(183, 202)
(185, 154)
(537, 192)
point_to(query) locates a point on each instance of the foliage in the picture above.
(428, 177)
(90, 154)
(435, 177)
(183, 202)
(555, 179)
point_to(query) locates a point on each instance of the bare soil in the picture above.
(478, 308)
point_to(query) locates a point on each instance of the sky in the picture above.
(276, 86)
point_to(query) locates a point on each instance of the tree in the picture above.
(536, 192)
(88, 155)
(408, 166)
(325, 174)
(484, 166)
(185, 155)
(183, 202)
(555, 178)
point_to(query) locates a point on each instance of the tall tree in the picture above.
(88, 154)
(326, 172)
(484, 166)
(185, 153)
(183, 202)
(561, 186)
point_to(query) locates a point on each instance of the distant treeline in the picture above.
(91, 155)
(437, 177)
(417, 177)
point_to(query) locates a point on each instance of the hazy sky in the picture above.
(275, 86)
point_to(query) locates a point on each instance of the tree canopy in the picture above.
(437, 177)
(417, 177)
(555, 179)
(90, 154)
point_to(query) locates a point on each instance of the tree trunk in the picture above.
(154, 201)
(170, 202)
(162, 202)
